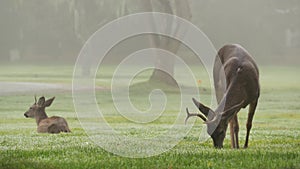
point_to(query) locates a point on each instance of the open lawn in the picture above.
(274, 139)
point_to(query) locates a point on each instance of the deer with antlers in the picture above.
(46, 124)
(236, 81)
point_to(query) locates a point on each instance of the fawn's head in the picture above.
(216, 122)
(38, 107)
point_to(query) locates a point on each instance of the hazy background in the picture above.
(54, 30)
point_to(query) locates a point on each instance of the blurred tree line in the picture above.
(47, 29)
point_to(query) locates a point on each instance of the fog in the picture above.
(56, 30)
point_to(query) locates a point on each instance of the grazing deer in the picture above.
(241, 89)
(46, 124)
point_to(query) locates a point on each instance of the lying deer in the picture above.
(46, 124)
(241, 89)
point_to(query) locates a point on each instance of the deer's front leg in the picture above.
(236, 129)
(234, 132)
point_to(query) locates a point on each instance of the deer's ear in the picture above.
(204, 109)
(41, 101)
(49, 102)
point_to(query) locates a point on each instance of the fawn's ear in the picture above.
(41, 101)
(49, 102)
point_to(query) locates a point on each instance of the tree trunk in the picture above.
(164, 70)
(164, 65)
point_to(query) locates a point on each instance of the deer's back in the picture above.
(54, 124)
(241, 73)
(236, 51)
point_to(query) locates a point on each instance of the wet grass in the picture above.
(274, 139)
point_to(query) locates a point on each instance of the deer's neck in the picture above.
(41, 116)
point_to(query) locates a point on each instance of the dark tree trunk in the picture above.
(164, 70)
(164, 65)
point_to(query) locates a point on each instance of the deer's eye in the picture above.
(31, 108)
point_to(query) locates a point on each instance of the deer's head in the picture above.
(38, 107)
(216, 121)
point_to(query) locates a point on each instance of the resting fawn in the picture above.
(46, 124)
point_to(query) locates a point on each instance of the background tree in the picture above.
(181, 9)
(43, 30)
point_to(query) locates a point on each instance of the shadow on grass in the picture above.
(148, 86)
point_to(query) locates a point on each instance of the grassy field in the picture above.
(274, 139)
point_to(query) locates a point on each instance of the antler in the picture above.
(193, 114)
(239, 105)
(35, 99)
(204, 109)
(218, 116)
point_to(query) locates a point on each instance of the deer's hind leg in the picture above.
(66, 129)
(53, 128)
(251, 112)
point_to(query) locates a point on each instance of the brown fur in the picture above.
(46, 124)
(241, 89)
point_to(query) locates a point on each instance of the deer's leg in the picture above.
(236, 130)
(251, 112)
(232, 134)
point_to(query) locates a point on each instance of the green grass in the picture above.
(274, 139)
